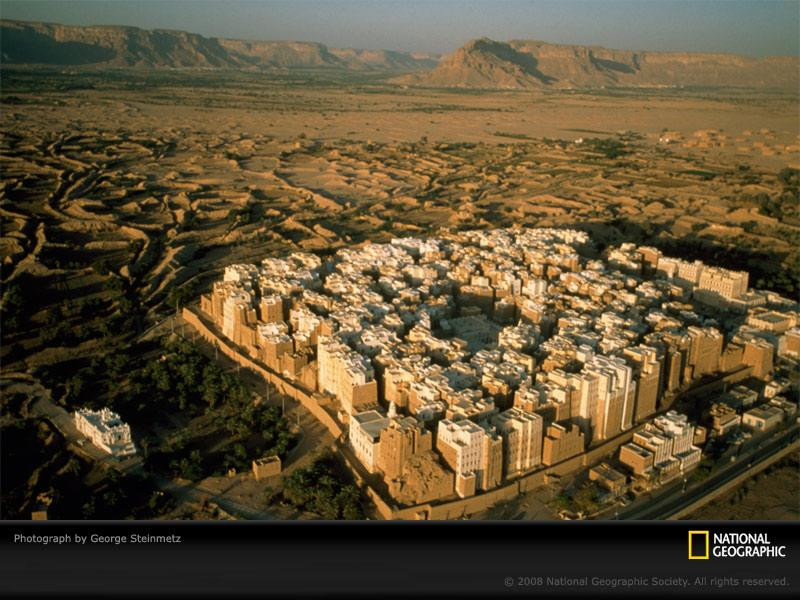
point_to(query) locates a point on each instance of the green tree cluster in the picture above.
(185, 379)
(319, 488)
(586, 499)
(181, 295)
(18, 299)
(608, 147)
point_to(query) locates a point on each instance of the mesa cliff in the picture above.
(526, 64)
(119, 46)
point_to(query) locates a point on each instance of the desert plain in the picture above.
(125, 194)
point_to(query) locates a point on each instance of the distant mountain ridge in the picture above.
(120, 46)
(482, 63)
(528, 64)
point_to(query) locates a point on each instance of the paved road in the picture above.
(672, 499)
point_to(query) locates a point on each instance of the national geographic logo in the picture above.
(698, 545)
(703, 545)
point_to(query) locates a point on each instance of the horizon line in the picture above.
(439, 54)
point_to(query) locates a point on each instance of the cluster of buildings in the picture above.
(663, 448)
(105, 430)
(740, 408)
(461, 361)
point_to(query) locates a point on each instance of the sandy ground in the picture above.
(167, 181)
(199, 180)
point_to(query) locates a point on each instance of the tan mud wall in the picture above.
(284, 386)
(446, 510)
(469, 506)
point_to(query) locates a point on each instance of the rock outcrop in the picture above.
(525, 64)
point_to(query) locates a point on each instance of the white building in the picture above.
(615, 412)
(763, 417)
(365, 436)
(106, 431)
(730, 284)
(465, 440)
(669, 437)
(677, 427)
(522, 432)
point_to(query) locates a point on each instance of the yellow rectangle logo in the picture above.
(695, 545)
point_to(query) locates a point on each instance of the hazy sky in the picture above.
(754, 27)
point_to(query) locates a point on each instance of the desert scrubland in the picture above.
(166, 180)
(124, 194)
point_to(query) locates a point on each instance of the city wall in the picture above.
(453, 509)
(283, 385)
(446, 510)
(469, 506)
(719, 384)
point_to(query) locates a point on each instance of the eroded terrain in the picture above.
(124, 196)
